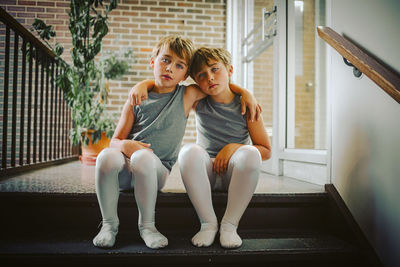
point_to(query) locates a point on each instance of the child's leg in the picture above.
(242, 178)
(196, 170)
(110, 165)
(149, 177)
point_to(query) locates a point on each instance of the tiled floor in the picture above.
(75, 177)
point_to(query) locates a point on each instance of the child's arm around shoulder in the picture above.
(259, 137)
(138, 93)
(191, 97)
(193, 94)
(122, 131)
(248, 100)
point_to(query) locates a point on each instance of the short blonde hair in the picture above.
(203, 55)
(182, 47)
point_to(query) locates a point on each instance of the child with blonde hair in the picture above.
(146, 143)
(228, 153)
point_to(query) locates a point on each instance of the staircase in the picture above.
(56, 229)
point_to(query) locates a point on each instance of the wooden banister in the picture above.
(381, 75)
(16, 26)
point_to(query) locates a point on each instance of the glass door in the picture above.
(253, 54)
(306, 137)
(279, 57)
(306, 90)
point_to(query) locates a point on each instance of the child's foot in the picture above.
(205, 237)
(228, 236)
(152, 237)
(106, 237)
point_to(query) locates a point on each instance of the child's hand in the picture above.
(248, 100)
(131, 146)
(138, 94)
(221, 161)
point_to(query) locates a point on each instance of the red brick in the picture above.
(15, 8)
(50, 3)
(130, 13)
(8, 2)
(43, 16)
(61, 28)
(63, 17)
(131, 2)
(146, 49)
(55, 10)
(54, 22)
(140, 31)
(35, 9)
(116, 30)
(166, 3)
(26, 3)
(25, 15)
(158, 9)
(66, 4)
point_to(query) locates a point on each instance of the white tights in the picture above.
(115, 172)
(240, 181)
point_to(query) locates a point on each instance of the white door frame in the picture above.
(305, 164)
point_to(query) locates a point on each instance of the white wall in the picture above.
(366, 124)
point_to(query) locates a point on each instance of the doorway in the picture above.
(278, 56)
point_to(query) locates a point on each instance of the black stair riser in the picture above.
(27, 212)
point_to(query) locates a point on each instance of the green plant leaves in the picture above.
(45, 32)
(81, 82)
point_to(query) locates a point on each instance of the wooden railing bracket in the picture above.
(356, 72)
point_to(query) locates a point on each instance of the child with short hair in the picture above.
(230, 148)
(146, 143)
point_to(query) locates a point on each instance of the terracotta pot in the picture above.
(90, 152)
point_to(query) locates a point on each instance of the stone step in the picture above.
(260, 248)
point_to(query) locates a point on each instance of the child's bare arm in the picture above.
(138, 93)
(122, 130)
(248, 100)
(259, 137)
(192, 95)
(260, 141)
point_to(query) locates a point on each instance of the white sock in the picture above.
(243, 170)
(228, 236)
(196, 170)
(106, 237)
(205, 237)
(110, 162)
(152, 237)
(149, 176)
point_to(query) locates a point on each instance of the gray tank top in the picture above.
(220, 124)
(160, 121)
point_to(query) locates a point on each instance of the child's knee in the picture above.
(110, 159)
(190, 153)
(142, 161)
(247, 158)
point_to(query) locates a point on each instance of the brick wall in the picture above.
(138, 25)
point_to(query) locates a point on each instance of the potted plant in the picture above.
(84, 82)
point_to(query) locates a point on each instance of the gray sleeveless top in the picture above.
(220, 124)
(160, 121)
